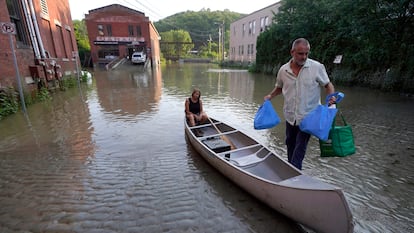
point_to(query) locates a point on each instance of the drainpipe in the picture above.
(31, 29)
(36, 27)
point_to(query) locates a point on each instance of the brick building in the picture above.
(244, 33)
(116, 31)
(44, 43)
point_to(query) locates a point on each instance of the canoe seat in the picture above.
(248, 160)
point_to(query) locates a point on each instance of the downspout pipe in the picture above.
(29, 23)
(36, 27)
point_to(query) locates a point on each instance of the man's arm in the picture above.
(276, 91)
(329, 90)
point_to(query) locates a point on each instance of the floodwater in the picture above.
(112, 157)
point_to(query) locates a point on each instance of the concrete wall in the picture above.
(244, 33)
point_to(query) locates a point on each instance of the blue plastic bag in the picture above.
(266, 117)
(319, 121)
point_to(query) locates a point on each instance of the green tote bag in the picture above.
(340, 142)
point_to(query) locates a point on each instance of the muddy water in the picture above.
(112, 157)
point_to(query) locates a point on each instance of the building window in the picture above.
(71, 40)
(243, 29)
(130, 30)
(43, 7)
(262, 24)
(250, 28)
(109, 30)
(63, 52)
(241, 50)
(100, 30)
(250, 49)
(47, 37)
(267, 23)
(254, 27)
(15, 13)
(139, 34)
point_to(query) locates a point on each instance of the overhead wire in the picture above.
(196, 35)
(142, 8)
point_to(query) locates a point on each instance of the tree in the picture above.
(372, 36)
(81, 35)
(175, 44)
(202, 25)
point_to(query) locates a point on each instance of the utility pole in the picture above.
(209, 44)
(223, 32)
(221, 41)
(219, 44)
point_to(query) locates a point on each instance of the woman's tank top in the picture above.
(194, 107)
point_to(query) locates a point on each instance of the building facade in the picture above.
(116, 31)
(244, 33)
(44, 43)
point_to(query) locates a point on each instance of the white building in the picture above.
(244, 33)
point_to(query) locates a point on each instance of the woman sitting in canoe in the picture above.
(194, 109)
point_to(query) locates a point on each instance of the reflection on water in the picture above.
(94, 159)
(127, 93)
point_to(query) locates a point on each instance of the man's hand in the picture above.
(332, 100)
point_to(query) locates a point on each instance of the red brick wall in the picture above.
(155, 45)
(57, 30)
(59, 44)
(24, 56)
(119, 18)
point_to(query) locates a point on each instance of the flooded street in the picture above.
(112, 157)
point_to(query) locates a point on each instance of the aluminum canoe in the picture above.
(311, 202)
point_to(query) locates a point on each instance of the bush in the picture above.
(43, 94)
(8, 102)
(68, 82)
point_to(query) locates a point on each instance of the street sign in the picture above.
(338, 59)
(8, 28)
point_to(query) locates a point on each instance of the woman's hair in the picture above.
(196, 90)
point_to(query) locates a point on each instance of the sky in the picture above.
(159, 9)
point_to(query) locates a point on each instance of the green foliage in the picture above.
(202, 26)
(176, 43)
(81, 34)
(209, 51)
(84, 77)
(8, 102)
(68, 82)
(43, 94)
(9, 98)
(29, 97)
(82, 40)
(371, 35)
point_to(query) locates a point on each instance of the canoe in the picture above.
(313, 203)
